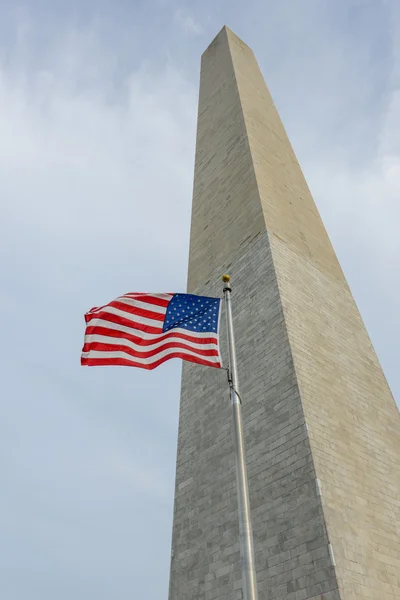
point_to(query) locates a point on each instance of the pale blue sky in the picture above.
(98, 108)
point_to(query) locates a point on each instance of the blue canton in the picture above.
(195, 313)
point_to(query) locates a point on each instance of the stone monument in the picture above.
(322, 430)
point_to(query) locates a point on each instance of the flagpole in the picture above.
(249, 582)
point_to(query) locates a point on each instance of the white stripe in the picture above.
(148, 336)
(136, 296)
(134, 318)
(104, 339)
(143, 305)
(151, 359)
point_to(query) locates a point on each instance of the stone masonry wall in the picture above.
(353, 422)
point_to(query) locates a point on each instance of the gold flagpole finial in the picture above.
(226, 278)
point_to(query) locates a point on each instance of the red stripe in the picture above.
(122, 321)
(134, 310)
(102, 362)
(144, 342)
(148, 298)
(140, 297)
(100, 347)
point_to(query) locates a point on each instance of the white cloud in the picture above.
(188, 23)
(85, 170)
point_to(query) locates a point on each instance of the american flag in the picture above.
(144, 330)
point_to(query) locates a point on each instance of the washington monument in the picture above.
(322, 430)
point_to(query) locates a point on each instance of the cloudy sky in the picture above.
(98, 105)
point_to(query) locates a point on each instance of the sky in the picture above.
(98, 103)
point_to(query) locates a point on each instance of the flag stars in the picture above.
(192, 313)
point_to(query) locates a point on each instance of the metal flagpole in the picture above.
(245, 528)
